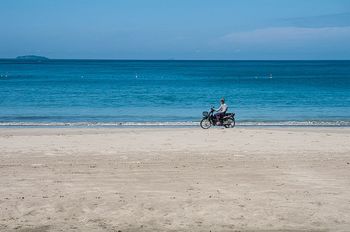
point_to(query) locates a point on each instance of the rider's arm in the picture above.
(220, 109)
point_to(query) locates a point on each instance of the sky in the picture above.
(176, 29)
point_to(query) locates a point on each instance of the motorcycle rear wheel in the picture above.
(231, 125)
(205, 123)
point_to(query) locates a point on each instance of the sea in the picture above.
(116, 93)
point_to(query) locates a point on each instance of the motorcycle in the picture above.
(227, 121)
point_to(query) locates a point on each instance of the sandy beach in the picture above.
(175, 179)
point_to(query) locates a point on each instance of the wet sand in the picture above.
(172, 179)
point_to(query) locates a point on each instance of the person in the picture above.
(221, 111)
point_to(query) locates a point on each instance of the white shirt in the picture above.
(222, 109)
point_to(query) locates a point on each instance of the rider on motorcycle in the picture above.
(221, 111)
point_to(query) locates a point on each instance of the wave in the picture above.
(96, 124)
(174, 124)
(296, 123)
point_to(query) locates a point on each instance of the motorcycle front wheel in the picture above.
(205, 123)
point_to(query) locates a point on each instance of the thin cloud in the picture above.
(288, 35)
(329, 20)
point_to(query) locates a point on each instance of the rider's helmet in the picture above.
(222, 100)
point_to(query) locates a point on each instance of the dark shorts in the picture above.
(219, 115)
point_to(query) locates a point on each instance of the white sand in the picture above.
(295, 179)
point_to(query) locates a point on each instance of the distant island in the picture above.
(31, 57)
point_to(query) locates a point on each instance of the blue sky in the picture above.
(176, 29)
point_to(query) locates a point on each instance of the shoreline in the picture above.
(175, 179)
(179, 124)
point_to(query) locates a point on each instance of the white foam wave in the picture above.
(96, 124)
(170, 124)
(296, 123)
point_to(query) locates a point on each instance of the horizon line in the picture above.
(171, 59)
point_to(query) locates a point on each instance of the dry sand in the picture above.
(242, 179)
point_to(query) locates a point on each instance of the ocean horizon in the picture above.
(88, 92)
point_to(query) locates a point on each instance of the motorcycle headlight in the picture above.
(205, 113)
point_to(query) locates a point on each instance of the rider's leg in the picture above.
(219, 118)
(222, 115)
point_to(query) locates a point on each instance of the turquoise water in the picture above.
(103, 92)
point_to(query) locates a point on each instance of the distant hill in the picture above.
(31, 57)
